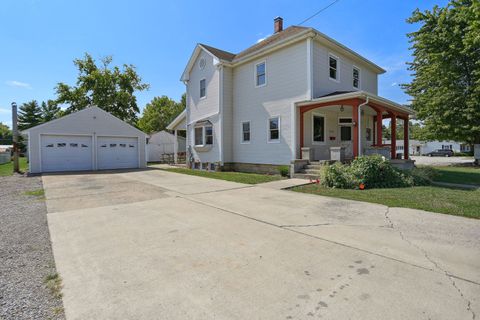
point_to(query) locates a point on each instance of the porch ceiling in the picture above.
(351, 98)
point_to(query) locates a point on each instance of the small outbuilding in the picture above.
(90, 139)
(161, 146)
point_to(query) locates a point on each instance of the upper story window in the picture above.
(260, 74)
(274, 129)
(203, 88)
(333, 67)
(356, 77)
(246, 132)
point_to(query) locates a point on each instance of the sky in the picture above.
(39, 39)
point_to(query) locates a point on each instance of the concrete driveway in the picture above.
(158, 245)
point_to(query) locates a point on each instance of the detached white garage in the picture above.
(90, 139)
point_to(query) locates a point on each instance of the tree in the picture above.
(446, 70)
(50, 110)
(158, 114)
(5, 134)
(111, 89)
(29, 115)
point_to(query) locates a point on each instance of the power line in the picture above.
(318, 12)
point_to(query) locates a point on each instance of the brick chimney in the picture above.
(277, 24)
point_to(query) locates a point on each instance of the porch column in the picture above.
(405, 138)
(355, 129)
(175, 148)
(379, 128)
(393, 126)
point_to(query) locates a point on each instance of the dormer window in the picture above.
(356, 77)
(260, 74)
(333, 67)
(203, 89)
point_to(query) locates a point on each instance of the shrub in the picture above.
(336, 176)
(284, 171)
(373, 172)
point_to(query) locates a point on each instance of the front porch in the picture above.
(343, 126)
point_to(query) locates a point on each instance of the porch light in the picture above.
(342, 108)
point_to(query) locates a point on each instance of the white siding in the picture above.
(227, 114)
(286, 71)
(204, 108)
(322, 84)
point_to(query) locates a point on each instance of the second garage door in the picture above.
(117, 153)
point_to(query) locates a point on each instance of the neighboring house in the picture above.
(90, 139)
(162, 144)
(297, 94)
(420, 148)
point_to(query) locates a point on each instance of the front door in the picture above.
(345, 128)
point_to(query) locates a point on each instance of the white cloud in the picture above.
(18, 84)
(5, 110)
(261, 39)
(394, 84)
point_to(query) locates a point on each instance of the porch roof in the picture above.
(339, 96)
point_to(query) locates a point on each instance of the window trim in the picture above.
(354, 67)
(279, 130)
(318, 114)
(345, 124)
(330, 55)
(242, 133)
(255, 75)
(204, 135)
(200, 89)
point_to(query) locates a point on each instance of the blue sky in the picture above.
(40, 38)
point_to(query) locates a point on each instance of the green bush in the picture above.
(284, 171)
(373, 172)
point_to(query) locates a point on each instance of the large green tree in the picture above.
(110, 88)
(29, 115)
(50, 110)
(446, 70)
(159, 112)
(5, 134)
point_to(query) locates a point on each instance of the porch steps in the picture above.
(306, 176)
(311, 171)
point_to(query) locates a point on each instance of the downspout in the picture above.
(360, 125)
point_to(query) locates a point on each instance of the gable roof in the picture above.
(271, 42)
(73, 114)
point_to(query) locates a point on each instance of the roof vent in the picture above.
(277, 24)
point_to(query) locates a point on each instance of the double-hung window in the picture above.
(203, 88)
(260, 74)
(274, 129)
(318, 128)
(356, 77)
(333, 67)
(246, 132)
(204, 135)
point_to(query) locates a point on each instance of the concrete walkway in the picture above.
(159, 245)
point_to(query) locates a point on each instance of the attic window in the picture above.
(202, 63)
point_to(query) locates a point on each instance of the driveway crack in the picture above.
(432, 261)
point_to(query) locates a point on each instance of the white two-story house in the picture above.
(297, 94)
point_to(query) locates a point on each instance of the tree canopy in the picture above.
(29, 115)
(159, 112)
(110, 88)
(5, 134)
(446, 70)
(50, 110)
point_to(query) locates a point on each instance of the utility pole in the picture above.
(16, 167)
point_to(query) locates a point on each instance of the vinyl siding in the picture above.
(286, 71)
(322, 84)
(206, 108)
(227, 114)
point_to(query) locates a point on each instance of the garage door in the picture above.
(117, 153)
(66, 153)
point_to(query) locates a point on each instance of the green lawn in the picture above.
(248, 178)
(6, 169)
(436, 199)
(465, 175)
